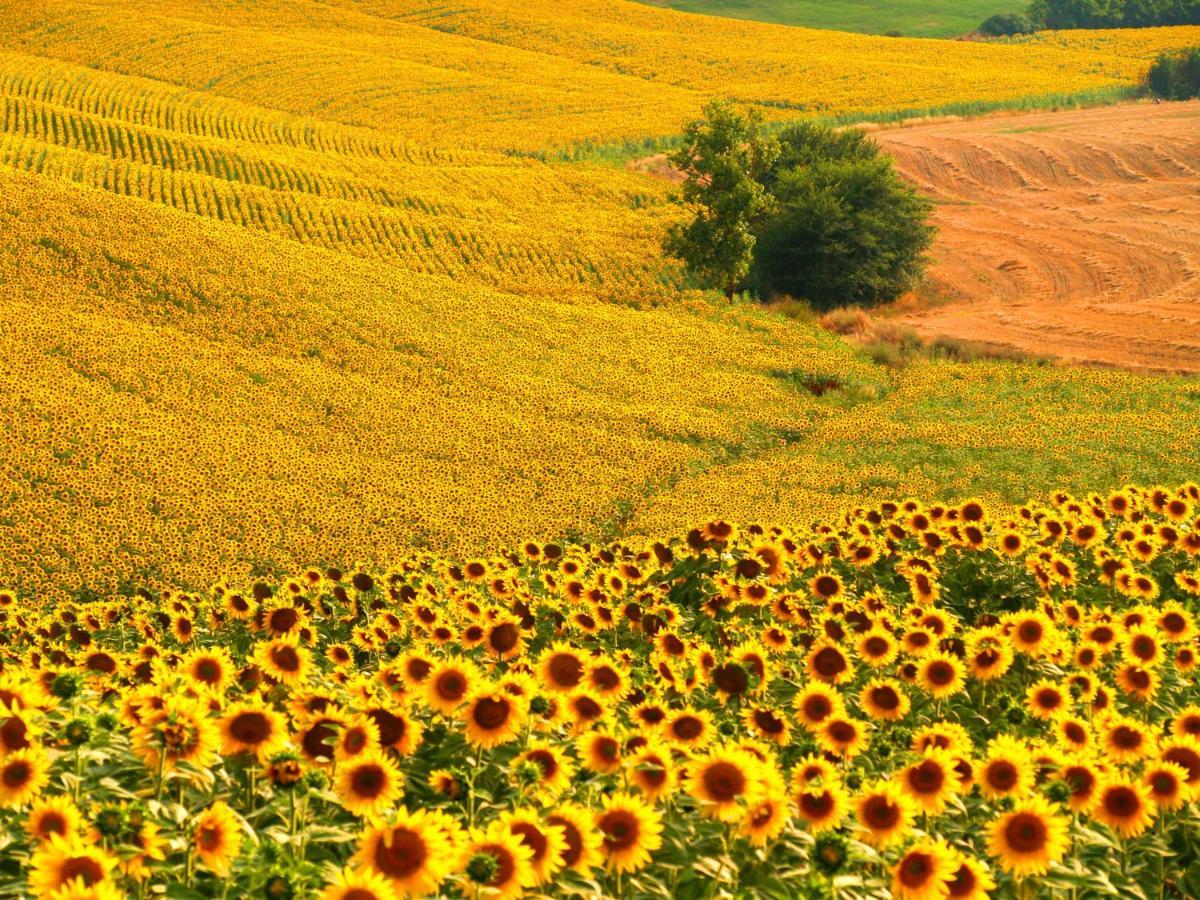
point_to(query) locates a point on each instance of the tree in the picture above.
(1176, 75)
(722, 158)
(845, 231)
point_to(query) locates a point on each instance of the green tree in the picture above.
(722, 159)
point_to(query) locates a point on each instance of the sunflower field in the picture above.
(919, 701)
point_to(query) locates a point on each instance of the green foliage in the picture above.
(1176, 76)
(723, 157)
(1007, 24)
(815, 213)
(1113, 13)
(912, 18)
(846, 229)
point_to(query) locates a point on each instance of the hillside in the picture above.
(915, 18)
(281, 285)
(1070, 234)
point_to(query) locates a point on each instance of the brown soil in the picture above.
(1072, 234)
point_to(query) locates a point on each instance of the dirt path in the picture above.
(1070, 234)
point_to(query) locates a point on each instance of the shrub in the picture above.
(845, 228)
(1006, 24)
(1176, 76)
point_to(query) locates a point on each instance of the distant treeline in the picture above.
(1060, 14)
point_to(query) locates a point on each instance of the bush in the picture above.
(845, 228)
(1007, 24)
(1176, 76)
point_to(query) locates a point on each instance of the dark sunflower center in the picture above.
(403, 855)
(1025, 833)
(724, 781)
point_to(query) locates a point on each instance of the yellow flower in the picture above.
(1028, 839)
(510, 870)
(53, 816)
(23, 776)
(924, 872)
(413, 852)
(548, 843)
(217, 838)
(358, 884)
(1126, 806)
(59, 863)
(584, 839)
(492, 718)
(253, 727)
(368, 784)
(630, 832)
(726, 781)
(1007, 771)
(885, 813)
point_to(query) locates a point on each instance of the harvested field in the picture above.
(1073, 234)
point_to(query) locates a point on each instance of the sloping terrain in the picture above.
(1071, 234)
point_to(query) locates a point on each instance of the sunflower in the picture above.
(449, 683)
(885, 699)
(931, 781)
(949, 736)
(504, 638)
(924, 872)
(767, 724)
(652, 770)
(971, 880)
(826, 586)
(358, 884)
(179, 730)
(826, 661)
(492, 717)
(583, 847)
(555, 769)
(606, 678)
(1184, 751)
(877, 647)
(1167, 783)
(1030, 838)
(209, 670)
(497, 860)
(630, 832)
(842, 736)
(1138, 682)
(884, 812)
(988, 657)
(1045, 699)
(815, 703)
(1125, 740)
(53, 816)
(822, 808)
(724, 780)
(941, 675)
(813, 770)
(1081, 778)
(368, 784)
(1125, 806)
(398, 730)
(284, 660)
(217, 838)
(600, 751)
(765, 820)
(1007, 771)
(253, 727)
(1073, 733)
(23, 776)
(1030, 632)
(413, 851)
(548, 842)
(356, 734)
(61, 863)
(918, 642)
(691, 728)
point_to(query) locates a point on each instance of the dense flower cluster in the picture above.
(504, 74)
(921, 700)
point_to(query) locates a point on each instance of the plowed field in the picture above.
(1071, 234)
